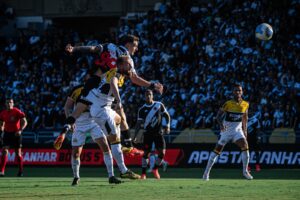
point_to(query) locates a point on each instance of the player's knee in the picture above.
(114, 139)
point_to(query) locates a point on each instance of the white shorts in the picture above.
(81, 130)
(230, 135)
(105, 118)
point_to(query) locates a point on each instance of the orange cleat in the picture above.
(156, 174)
(136, 152)
(132, 152)
(59, 141)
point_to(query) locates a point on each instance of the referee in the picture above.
(12, 123)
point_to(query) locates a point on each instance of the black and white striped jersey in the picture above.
(151, 115)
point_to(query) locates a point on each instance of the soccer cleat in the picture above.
(164, 165)
(2, 174)
(156, 174)
(20, 174)
(257, 167)
(136, 152)
(143, 176)
(126, 149)
(131, 151)
(75, 181)
(114, 180)
(247, 175)
(205, 177)
(59, 141)
(130, 174)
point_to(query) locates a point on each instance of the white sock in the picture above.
(109, 163)
(211, 161)
(75, 166)
(118, 156)
(245, 160)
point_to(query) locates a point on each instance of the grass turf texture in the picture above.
(55, 183)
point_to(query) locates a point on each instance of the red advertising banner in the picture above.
(88, 157)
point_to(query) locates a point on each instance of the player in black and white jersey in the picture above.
(106, 59)
(98, 95)
(253, 138)
(151, 115)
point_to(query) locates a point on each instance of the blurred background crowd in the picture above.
(196, 50)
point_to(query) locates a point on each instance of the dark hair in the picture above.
(9, 98)
(236, 85)
(121, 59)
(148, 90)
(128, 39)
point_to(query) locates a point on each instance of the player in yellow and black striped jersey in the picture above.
(232, 118)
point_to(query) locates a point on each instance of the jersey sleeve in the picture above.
(75, 92)
(139, 116)
(20, 114)
(91, 83)
(225, 106)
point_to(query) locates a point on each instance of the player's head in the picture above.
(149, 96)
(237, 90)
(131, 42)
(123, 65)
(9, 103)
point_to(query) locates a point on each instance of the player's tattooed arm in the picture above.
(84, 49)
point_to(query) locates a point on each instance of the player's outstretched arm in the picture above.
(83, 49)
(136, 79)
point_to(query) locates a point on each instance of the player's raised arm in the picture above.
(136, 79)
(84, 49)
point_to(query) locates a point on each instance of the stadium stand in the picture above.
(197, 50)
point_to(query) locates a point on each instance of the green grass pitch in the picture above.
(176, 183)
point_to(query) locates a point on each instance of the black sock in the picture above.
(125, 138)
(257, 157)
(144, 170)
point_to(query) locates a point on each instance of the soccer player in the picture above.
(151, 115)
(84, 124)
(107, 55)
(97, 93)
(232, 118)
(12, 122)
(254, 139)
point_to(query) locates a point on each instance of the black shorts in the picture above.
(158, 140)
(11, 140)
(253, 142)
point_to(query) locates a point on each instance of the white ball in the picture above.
(264, 31)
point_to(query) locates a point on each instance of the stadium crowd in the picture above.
(196, 50)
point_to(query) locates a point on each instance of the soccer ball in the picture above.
(264, 31)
